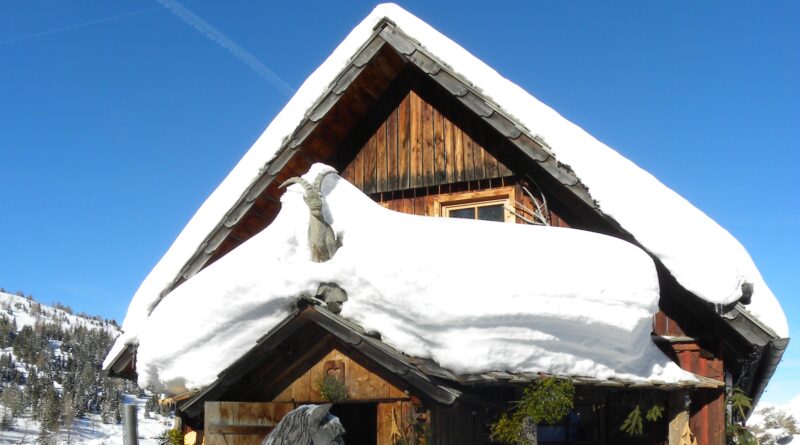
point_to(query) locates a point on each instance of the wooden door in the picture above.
(242, 423)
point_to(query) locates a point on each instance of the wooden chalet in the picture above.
(418, 138)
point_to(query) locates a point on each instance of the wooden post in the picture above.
(529, 432)
(679, 402)
(129, 433)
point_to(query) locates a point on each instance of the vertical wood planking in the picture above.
(211, 415)
(429, 210)
(241, 423)
(428, 162)
(391, 152)
(449, 151)
(301, 389)
(384, 424)
(418, 146)
(358, 171)
(480, 158)
(370, 166)
(348, 172)
(403, 143)
(469, 159)
(440, 153)
(458, 149)
(361, 383)
(489, 161)
(381, 169)
(415, 132)
(315, 376)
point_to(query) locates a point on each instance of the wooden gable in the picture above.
(246, 423)
(381, 403)
(361, 383)
(420, 146)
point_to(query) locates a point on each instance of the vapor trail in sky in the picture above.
(224, 41)
(76, 26)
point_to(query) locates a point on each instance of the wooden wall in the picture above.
(707, 420)
(247, 423)
(361, 383)
(417, 146)
(422, 201)
(241, 423)
(462, 424)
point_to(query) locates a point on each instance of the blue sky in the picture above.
(118, 118)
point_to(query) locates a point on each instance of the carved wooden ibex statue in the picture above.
(321, 239)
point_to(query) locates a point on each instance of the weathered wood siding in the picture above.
(361, 383)
(462, 424)
(421, 201)
(394, 420)
(247, 423)
(241, 423)
(708, 406)
(417, 146)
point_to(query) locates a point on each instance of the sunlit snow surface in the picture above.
(472, 295)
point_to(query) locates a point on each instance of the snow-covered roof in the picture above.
(703, 257)
(584, 306)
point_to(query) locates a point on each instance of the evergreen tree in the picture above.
(46, 437)
(6, 421)
(11, 399)
(68, 414)
(49, 409)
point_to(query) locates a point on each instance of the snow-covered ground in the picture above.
(90, 431)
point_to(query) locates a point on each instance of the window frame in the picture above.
(442, 205)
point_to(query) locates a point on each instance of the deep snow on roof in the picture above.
(702, 256)
(561, 301)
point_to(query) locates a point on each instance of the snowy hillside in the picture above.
(51, 387)
(775, 424)
(26, 312)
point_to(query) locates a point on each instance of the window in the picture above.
(581, 426)
(487, 205)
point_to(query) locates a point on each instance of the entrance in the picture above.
(360, 421)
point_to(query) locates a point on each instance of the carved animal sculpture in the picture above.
(307, 425)
(321, 239)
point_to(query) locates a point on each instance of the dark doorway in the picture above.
(360, 421)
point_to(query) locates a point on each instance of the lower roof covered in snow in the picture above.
(472, 296)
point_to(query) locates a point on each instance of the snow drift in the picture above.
(473, 295)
